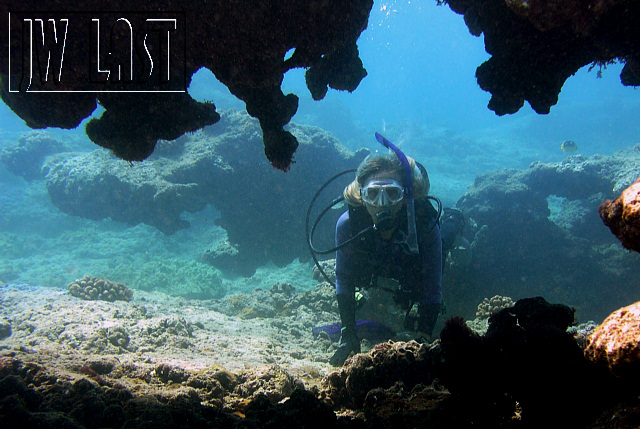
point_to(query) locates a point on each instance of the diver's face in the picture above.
(383, 195)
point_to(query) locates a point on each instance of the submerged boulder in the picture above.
(616, 343)
(622, 216)
(261, 209)
(26, 157)
(537, 232)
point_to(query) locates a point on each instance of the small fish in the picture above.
(368, 329)
(569, 146)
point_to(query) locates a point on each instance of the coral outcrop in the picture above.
(130, 364)
(491, 306)
(243, 43)
(409, 363)
(616, 343)
(536, 45)
(261, 209)
(26, 157)
(92, 288)
(99, 393)
(622, 216)
(527, 364)
(537, 232)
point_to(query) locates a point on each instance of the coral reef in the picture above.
(622, 216)
(529, 239)
(562, 36)
(386, 364)
(491, 306)
(526, 364)
(130, 367)
(92, 288)
(107, 394)
(222, 166)
(26, 157)
(329, 268)
(281, 300)
(616, 343)
(243, 43)
(5, 329)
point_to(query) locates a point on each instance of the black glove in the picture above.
(349, 341)
(427, 318)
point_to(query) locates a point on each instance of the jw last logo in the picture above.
(97, 52)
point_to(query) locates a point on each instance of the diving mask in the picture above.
(382, 193)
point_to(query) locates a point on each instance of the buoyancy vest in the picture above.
(359, 219)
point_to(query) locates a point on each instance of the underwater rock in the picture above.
(615, 344)
(262, 210)
(271, 381)
(562, 36)
(243, 43)
(329, 268)
(167, 397)
(5, 329)
(491, 306)
(529, 239)
(26, 157)
(622, 216)
(385, 365)
(526, 357)
(92, 288)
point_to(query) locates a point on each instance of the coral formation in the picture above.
(527, 363)
(26, 157)
(526, 371)
(329, 268)
(92, 288)
(410, 363)
(491, 306)
(529, 239)
(616, 343)
(5, 329)
(124, 395)
(280, 300)
(222, 166)
(243, 43)
(622, 216)
(562, 36)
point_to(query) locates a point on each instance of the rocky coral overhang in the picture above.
(536, 45)
(244, 43)
(622, 216)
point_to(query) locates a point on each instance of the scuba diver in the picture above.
(391, 230)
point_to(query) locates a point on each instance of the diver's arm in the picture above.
(345, 294)
(431, 255)
(345, 258)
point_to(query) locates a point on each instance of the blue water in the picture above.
(420, 92)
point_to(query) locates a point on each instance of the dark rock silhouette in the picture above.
(536, 45)
(243, 43)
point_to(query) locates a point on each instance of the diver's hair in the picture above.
(376, 163)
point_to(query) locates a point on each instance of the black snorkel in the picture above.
(407, 178)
